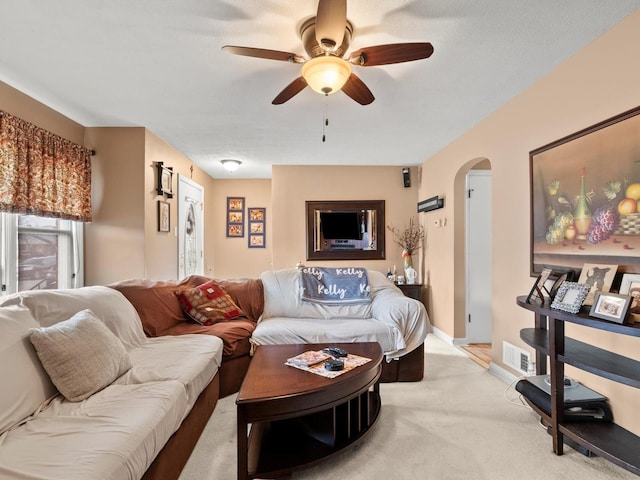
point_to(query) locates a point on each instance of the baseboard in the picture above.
(456, 342)
(496, 370)
(502, 374)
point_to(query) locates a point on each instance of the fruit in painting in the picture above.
(557, 229)
(605, 221)
(570, 232)
(627, 206)
(633, 191)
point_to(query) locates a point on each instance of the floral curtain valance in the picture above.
(42, 173)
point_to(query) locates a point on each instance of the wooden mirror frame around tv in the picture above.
(371, 215)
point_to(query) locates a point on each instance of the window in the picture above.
(39, 253)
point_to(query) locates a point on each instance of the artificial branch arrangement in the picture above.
(409, 238)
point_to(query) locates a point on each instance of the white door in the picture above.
(478, 258)
(190, 227)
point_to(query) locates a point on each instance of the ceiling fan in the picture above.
(326, 38)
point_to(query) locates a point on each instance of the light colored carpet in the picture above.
(457, 423)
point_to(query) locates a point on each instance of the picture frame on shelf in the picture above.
(164, 218)
(599, 277)
(611, 306)
(630, 285)
(570, 296)
(165, 180)
(537, 291)
(584, 210)
(557, 283)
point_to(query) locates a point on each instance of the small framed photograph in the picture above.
(235, 204)
(234, 230)
(570, 296)
(164, 222)
(563, 277)
(256, 241)
(611, 306)
(165, 180)
(630, 285)
(537, 291)
(598, 277)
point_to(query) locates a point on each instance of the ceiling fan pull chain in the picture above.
(325, 123)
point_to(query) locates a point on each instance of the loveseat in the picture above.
(87, 395)
(398, 323)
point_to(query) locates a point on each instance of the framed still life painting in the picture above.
(585, 198)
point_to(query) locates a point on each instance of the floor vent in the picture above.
(515, 357)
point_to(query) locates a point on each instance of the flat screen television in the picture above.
(340, 226)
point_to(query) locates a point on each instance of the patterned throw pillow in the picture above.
(208, 303)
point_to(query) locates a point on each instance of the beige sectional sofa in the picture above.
(130, 399)
(125, 429)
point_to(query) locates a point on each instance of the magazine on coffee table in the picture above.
(308, 358)
(350, 362)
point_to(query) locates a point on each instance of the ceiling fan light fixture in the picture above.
(231, 165)
(326, 74)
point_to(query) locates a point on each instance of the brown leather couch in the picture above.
(160, 313)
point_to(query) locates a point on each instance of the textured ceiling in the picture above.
(159, 64)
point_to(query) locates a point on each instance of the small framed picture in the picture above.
(235, 217)
(570, 296)
(164, 222)
(611, 306)
(256, 241)
(234, 230)
(165, 180)
(598, 277)
(563, 277)
(257, 217)
(537, 291)
(630, 285)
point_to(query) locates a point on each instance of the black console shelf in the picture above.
(607, 440)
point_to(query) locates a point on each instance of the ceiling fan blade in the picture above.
(290, 91)
(331, 21)
(357, 90)
(264, 53)
(392, 53)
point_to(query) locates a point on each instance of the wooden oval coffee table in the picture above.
(298, 418)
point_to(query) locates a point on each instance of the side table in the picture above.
(412, 291)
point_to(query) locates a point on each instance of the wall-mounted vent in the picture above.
(515, 357)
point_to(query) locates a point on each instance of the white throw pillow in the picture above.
(81, 355)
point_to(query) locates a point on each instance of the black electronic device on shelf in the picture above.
(581, 404)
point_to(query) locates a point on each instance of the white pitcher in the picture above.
(411, 275)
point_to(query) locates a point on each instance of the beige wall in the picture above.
(123, 240)
(114, 241)
(293, 185)
(17, 103)
(161, 249)
(597, 83)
